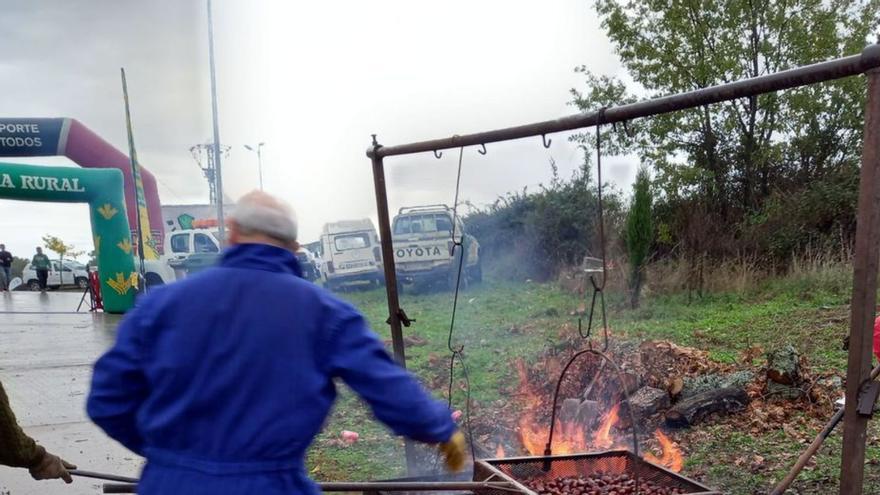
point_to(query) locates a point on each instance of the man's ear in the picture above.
(293, 246)
(232, 234)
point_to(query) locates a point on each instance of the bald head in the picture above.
(261, 218)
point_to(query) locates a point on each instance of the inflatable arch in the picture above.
(21, 137)
(102, 189)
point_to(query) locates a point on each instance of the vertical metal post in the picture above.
(390, 280)
(864, 294)
(260, 163)
(218, 174)
(388, 262)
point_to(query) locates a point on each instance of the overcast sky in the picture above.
(311, 79)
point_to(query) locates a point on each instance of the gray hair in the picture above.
(260, 213)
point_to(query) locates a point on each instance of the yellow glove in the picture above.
(454, 452)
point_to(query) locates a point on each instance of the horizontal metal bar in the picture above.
(120, 488)
(101, 476)
(369, 486)
(792, 78)
(407, 486)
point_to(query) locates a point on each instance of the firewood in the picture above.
(695, 409)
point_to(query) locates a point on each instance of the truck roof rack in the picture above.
(410, 209)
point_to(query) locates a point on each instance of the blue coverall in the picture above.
(222, 380)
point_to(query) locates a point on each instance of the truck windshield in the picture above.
(416, 224)
(351, 241)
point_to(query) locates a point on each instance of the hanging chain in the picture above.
(598, 287)
(457, 352)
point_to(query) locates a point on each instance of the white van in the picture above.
(351, 253)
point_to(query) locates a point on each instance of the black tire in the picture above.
(33, 284)
(82, 283)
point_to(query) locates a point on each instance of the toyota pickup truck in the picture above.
(423, 247)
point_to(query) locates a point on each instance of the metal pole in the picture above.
(390, 279)
(800, 76)
(218, 175)
(864, 295)
(260, 163)
(377, 486)
(102, 476)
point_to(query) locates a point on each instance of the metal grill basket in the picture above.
(518, 470)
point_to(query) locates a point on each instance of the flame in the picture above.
(572, 437)
(672, 458)
(499, 452)
(602, 438)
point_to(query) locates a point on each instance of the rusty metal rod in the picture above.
(811, 450)
(866, 263)
(101, 476)
(792, 78)
(371, 486)
(120, 488)
(390, 273)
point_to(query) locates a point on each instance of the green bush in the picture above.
(536, 234)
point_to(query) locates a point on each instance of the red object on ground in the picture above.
(350, 437)
(95, 282)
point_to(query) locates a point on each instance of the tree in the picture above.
(55, 244)
(732, 156)
(639, 232)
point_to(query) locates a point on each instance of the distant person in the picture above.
(223, 379)
(19, 450)
(6, 266)
(40, 263)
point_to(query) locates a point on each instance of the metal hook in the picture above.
(438, 154)
(547, 142)
(482, 149)
(626, 130)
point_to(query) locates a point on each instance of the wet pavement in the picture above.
(46, 355)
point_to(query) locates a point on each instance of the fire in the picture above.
(499, 452)
(602, 438)
(671, 458)
(572, 437)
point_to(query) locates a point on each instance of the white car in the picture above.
(351, 254)
(73, 274)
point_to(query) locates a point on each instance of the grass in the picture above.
(499, 322)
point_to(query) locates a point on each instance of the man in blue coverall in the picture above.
(222, 380)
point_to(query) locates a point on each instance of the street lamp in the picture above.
(259, 150)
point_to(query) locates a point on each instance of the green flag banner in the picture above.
(102, 189)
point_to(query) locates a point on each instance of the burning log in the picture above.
(695, 409)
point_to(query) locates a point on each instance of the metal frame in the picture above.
(867, 246)
(488, 468)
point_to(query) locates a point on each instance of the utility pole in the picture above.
(259, 150)
(218, 171)
(203, 154)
